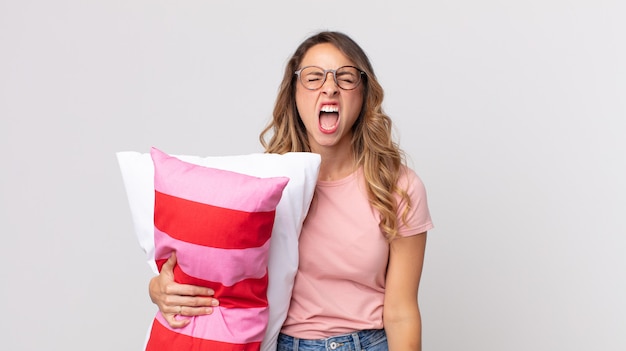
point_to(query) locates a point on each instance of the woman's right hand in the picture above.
(175, 299)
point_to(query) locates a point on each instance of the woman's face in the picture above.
(329, 112)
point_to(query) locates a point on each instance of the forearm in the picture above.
(404, 333)
(401, 314)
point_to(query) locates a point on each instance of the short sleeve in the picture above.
(417, 220)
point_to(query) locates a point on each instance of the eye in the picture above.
(346, 77)
(313, 77)
(312, 74)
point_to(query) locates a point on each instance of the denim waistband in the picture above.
(357, 340)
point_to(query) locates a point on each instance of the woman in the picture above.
(362, 244)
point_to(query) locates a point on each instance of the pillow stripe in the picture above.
(217, 187)
(247, 293)
(192, 221)
(235, 325)
(163, 337)
(203, 262)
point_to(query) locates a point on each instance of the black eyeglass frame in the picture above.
(334, 72)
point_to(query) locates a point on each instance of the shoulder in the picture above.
(409, 181)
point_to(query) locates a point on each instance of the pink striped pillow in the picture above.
(219, 223)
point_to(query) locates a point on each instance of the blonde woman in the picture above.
(362, 244)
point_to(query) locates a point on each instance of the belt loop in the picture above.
(296, 343)
(357, 341)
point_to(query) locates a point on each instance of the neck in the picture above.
(337, 163)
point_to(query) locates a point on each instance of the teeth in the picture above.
(330, 108)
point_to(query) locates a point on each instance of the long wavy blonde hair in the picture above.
(372, 142)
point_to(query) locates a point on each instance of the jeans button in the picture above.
(333, 345)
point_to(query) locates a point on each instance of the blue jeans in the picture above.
(365, 340)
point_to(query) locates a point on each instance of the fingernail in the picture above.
(215, 302)
(208, 310)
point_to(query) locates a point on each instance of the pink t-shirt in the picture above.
(340, 283)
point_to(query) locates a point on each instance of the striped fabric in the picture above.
(219, 223)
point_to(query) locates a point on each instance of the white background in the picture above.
(512, 112)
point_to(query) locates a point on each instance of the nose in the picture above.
(330, 87)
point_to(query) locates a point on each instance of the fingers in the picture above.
(173, 288)
(176, 314)
(170, 263)
(189, 311)
(189, 306)
(175, 322)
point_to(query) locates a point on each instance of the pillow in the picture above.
(301, 168)
(219, 224)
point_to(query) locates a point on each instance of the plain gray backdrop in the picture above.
(512, 112)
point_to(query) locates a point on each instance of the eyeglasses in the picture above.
(313, 77)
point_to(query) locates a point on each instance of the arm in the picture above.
(178, 299)
(401, 315)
